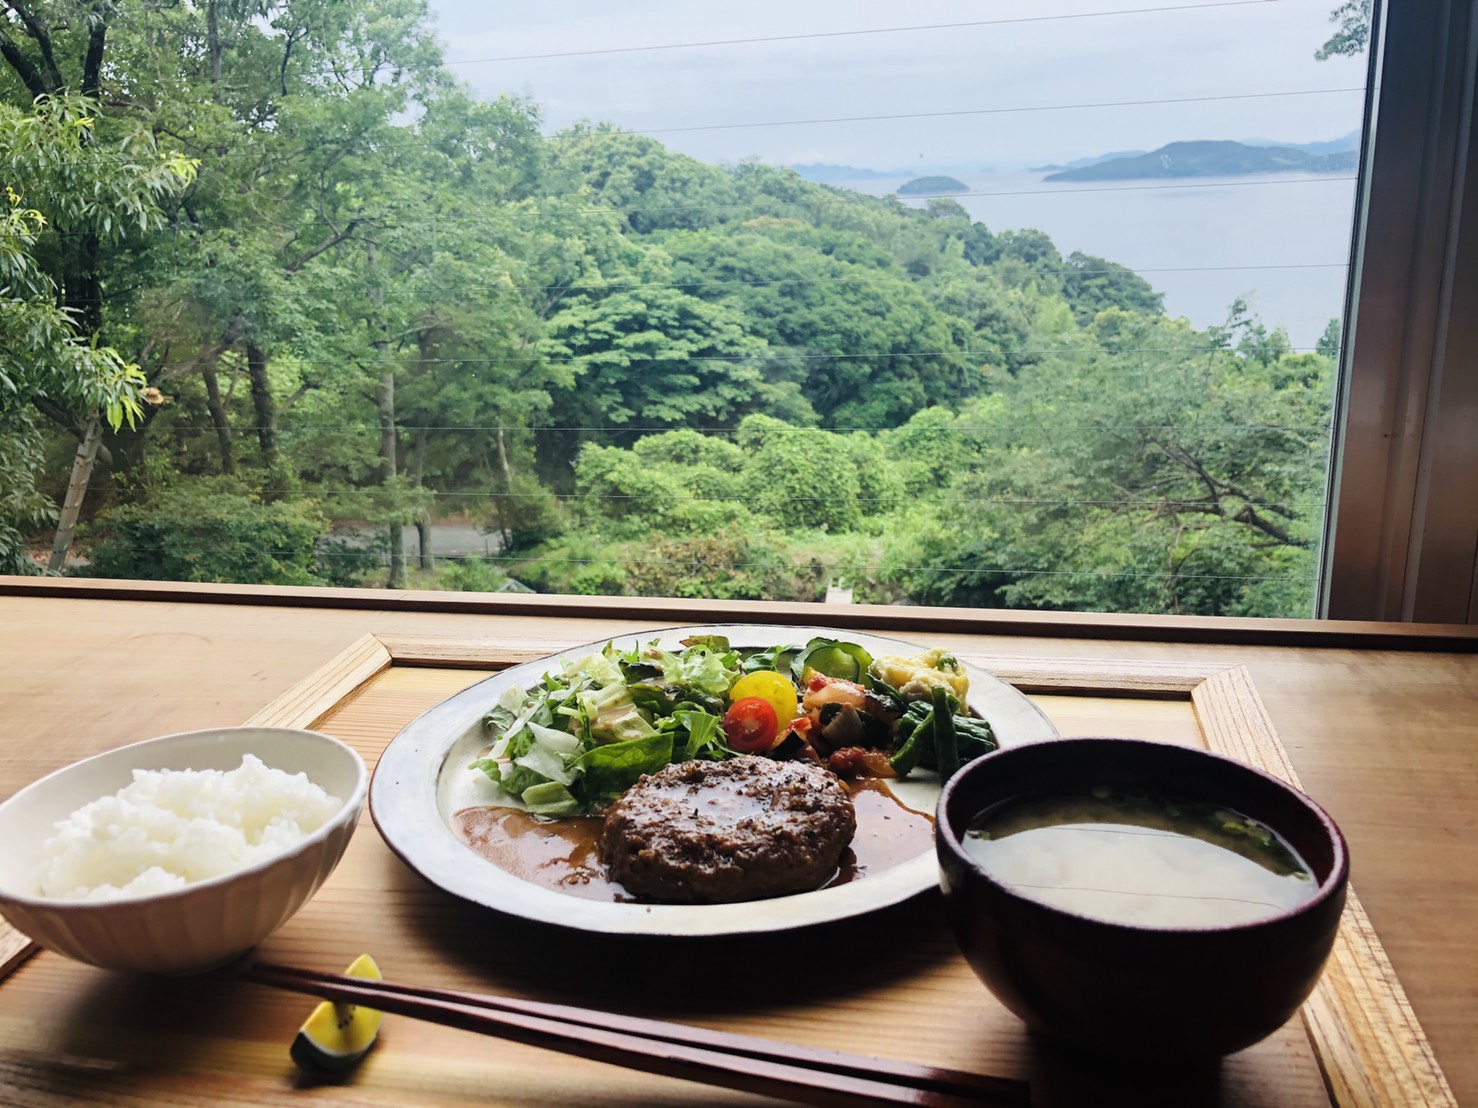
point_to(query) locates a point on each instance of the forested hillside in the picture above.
(274, 268)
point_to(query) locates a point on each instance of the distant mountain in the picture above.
(823, 174)
(932, 186)
(1210, 159)
(1082, 163)
(1333, 146)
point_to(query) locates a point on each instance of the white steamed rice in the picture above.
(171, 828)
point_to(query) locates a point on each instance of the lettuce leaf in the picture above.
(705, 735)
(701, 669)
(551, 799)
(490, 767)
(611, 769)
(546, 763)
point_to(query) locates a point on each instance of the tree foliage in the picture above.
(308, 276)
(1353, 35)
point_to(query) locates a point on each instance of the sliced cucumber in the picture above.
(336, 1036)
(843, 660)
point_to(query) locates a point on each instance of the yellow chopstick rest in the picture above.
(336, 1036)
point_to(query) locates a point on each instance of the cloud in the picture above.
(1215, 51)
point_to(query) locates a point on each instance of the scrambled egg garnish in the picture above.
(915, 678)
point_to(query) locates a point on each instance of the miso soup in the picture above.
(1127, 856)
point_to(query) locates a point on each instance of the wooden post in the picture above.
(389, 469)
(423, 517)
(87, 451)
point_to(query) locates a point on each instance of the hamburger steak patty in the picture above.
(715, 832)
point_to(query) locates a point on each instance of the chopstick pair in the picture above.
(805, 1075)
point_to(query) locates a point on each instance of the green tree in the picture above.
(1092, 285)
(651, 187)
(653, 358)
(1353, 35)
(867, 346)
(69, 194)
(1329, 342)
(1167, 476)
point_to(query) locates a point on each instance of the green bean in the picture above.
(946, 744)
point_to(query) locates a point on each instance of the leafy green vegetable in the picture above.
(551, 799)
(586, 733)
(702, 670)
(777, 658)
(612, 769)
(547, 763)
(705, 732)
(490, 767)
(716, 643)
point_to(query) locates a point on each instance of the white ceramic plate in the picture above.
(422, 780)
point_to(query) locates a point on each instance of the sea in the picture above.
(1280, 242)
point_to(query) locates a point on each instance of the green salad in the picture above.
(582, 736)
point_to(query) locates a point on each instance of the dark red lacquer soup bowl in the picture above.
(1126, 990)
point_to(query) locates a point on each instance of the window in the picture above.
(1402, 530)
(1035, 307)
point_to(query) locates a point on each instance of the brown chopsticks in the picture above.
(806, 1075)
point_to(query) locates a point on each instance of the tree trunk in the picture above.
(262, 403)
(84, 298)
(82, 461)
(505, 515)
(218, 414)
(388, 471)
(423, 517)
(81, 279)
(389, 468)
(213, 44)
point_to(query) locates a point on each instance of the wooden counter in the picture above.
(1381, 722)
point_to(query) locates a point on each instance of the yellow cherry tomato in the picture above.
(770, 686)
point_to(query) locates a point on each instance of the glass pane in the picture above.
(1024, 305)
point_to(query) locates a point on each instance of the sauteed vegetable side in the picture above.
(582, 736)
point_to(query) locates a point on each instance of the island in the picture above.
(825, 173)
(932, 186)
(1079, 163)
(1210, 159)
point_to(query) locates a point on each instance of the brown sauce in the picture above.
(564, 855)
(888, 834)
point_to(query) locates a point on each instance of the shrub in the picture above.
(731, 566)
(210, 530)
(344, 562)
(470, 575)
(526, 515)
(801, 478)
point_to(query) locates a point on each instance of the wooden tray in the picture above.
(891, 984)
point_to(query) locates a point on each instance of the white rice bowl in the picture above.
(172, 828)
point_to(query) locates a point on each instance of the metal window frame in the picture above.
(1401, 526)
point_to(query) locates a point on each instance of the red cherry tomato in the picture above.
(750, 725)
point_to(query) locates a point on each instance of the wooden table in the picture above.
(1379, 722)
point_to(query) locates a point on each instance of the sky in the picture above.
(1212, 60)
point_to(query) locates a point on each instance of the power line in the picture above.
(858, 199)
(675, 498)
(984, 111)
(884, 278)
(856, 33)
(781, 355)
(567, 136)
(971, 429)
